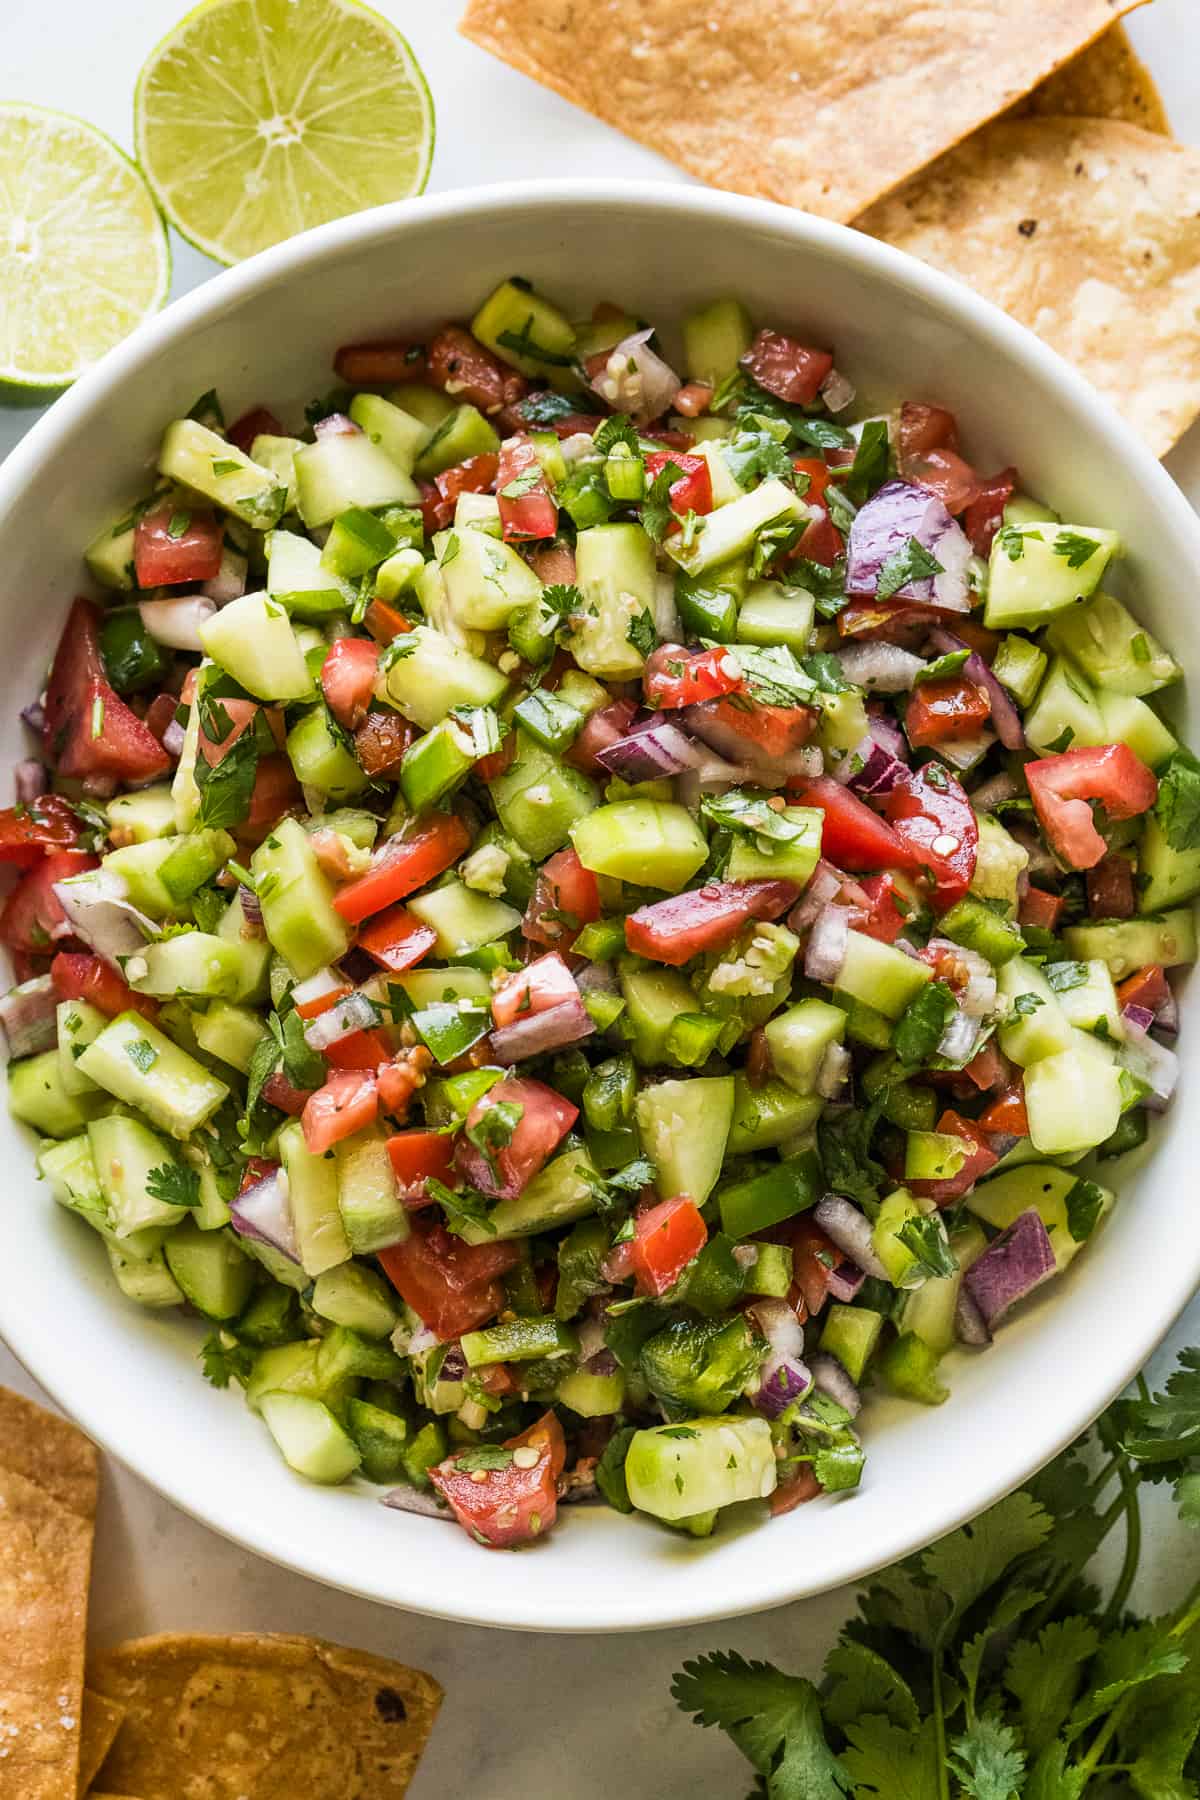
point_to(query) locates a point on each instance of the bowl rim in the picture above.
(983, 1485)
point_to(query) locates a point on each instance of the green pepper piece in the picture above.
(550, 720)
(715, 1281)
(974, 925)
(434, 766)
(518, 1340)
(601, 941)
(427, 1448)
(778, 1193)
(702, 1365)
(909, 1368)
(609, 1094)
(132, 658)
(580, 1255)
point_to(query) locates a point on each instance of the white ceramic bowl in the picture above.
(265, 332)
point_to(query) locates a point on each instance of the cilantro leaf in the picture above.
(1025, 1004)
(926, 1237)
(779, 534)
(773, 1718)
(1063, 976)
(1177, 809)
(485, 1457)
(226, 786)
(965, 1564)
(642, 633)
(224, 1360)
(657, 513)
(752, 456)
(1044, 1675)
(987, 1760)
(1085, 1207)
(1075, 548)
(1169, 1423)
(462, 1207)
(894, 1764)
(1125, 1661)
(1051, 1779)
(142, 1054)
(545, 408)
(920, 1026)
(864, 1682)
(610, 1470)
(912, 562)
(869, 469)
(561, 599)
(773, 677)
(844, 1142)
(750, 816)
(493, 1130)
(619, 429)
(176, 1184)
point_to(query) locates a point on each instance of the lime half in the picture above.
(83, 248)
(255, 119)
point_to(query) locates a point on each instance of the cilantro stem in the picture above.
(1186, 1618)
(1133, 1551)
(939, 1723)
(1074, 1569)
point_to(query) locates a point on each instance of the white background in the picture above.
(526, 1716)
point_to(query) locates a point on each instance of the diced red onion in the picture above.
(963, 754)
(27, 1014)
(882, 528)
(659, 749)
(355, 1013)
(888, 735)
(336, 425)
(824, 884)
(30, 781)
(783, 1376)
(636, 380)
(177, 622)
(836, 391)
(845, 1281)
(834, 1069)
(978, 998)
(174, 738)
(229, 582)
(880, 668)
(264, 1213)
(34, 715)
(995, 789)
(831, 1378)
(1151, 1062)
(603, 1362)
(958, 1040)
(251, 906)
(827, 944)
(969, 1323)
(1005, 716)
(1012, 1266)
(780, 1383)
(566, 1023)
(850, 1230)
(597, 977)
(413, 1500)
(1041, 865)
(870, 768)
(98, 912)
(1139, 1019)
(453, 1364)
(1167, 1016)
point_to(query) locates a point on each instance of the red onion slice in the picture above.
(827, 945)
(658, 749)
(229, 582)
(1152, 1063)
(870, 768)
(636, 380)
(958, 1040)
(336, 425)
(783, 1376)
(98, 912)
(1005, 717)
(263, 1212)
(969, 1323)
(833, 1072)
(30, 781)
(412, 1500)
(830, 1378)
(963, 754)
(567, 1023)
(882, 528)
(1012, 1266)
(34, 715)
(850, 1230)
(28, 1015)
(845, 1281)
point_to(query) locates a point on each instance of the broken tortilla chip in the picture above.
(1088, 232)
(218, 1718)
(45, 1563)
(1108, 80)
(101, 1723)
(49, 1452)
(819, 105)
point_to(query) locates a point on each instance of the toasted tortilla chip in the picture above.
(817, 104)
(1108, 80)
(1087, 231)
(101, 1723)
(218, 1718)
(49, 1452)
(45, 1563)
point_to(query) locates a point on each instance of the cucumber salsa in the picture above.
(589, 919)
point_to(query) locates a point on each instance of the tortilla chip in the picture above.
(1108, 80)
(1087, 231)
(218, 1718)
(101, 1723)
(45, 1562)
(817, 104)
(49, 1452)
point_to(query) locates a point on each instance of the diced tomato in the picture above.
(814, 1257)
(819, 476)
(417, 1156)
(980, 1157)
(77, 662)
(397, 939)
(600, 729)
(385, 622)
(889, 909)
(565, 898)
(257, 1168)
(460, 365)
(1149, 988)
(278, 1091)
(1110, 889)
(78, 975)
(552, 563)
(1061, 787)
(381, 740)
(673, 438)
(321, 992)
(513, 1504)
(359, 1050)
(694, 398)
(764, 732)
(944, 711)
(523, 417)
(32, 918)
(546, 1118)
(348, 679)
(534, 989)
(423, 849)
(819, 542)
(1007, 1112)
(985, 514)
(924, 428)
(527, 508)
(275, 790)
(685, 925)
(932, 816)
(852, 835)
(383, 363)
(693, 490)
(665, 1239)
(258, 422)
(28, 832)
(786, 367)
(794, 1491)
(477, 475)
(989, 1068)
(1041, 909)
(677, 677)
(348, 1101)
(452, 1286)
(946, 474)
(400, 1079)
(89, 730)
(174, 544)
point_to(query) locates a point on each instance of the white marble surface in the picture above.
(525, 1714)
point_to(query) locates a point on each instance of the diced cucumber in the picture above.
(310, 1439)
(1036, 1026)
(196, 964)
(902, 1264)
(684, 1128)
(591, 1396)
(539, 798)
(850, 1333)
(771, 614)
(297, 901)
(526, 331)
(1128, 720)
(1113, 650)
(1129, 944)
(733, 529)
(718, 1462)
(321, 759)
(1066, 711)
(1091, 1005)
(372, 1214)
(124, 1154)
(300, 583)
(769, 1115)
(654, 999)
(285, 1369)
(565, 1190)
(615, 574)
(69, 1170)
(428, 404)
(398, 574)
(999, 864)
(1023, 509)
(144, 1279)
(1074, 1099)
(400, 435)
(929, 1310)
(192, 860)
(1047, 1189)
(212, 1212)
(863, 1024)
(749, 860)
(715, 338)
(462, 434)
(843, 723)
(358, 1298)
(136, 818)
(771, 1271)
(651, 842)
(253, 951)
(799, 1039)
(109, 556)
(185, 794)
(1167, 876)
(426, 987)
(881, 976)
(214, 1274)
(486, 581)
(272, 1318)
(229, 1032)
(1019, 666)
(463, 919)
(313, 1190)
(433, 675)
(1038, 570)
(132, 1059)
(708, 604)
(339, 472)
(253, 640)
(197, 458)
(140, 867)
(278, 454)
(37, 1096)
(78, 1024)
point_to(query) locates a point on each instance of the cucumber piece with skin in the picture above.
(526, 331)
(125, 1152)
(144, 1279)
(433, 676)
(37, 1097)
(229, 1032)
(1038, 570)
(381, 1437)
(463, 433)
(1019, 666)
(715, 338)
(426, 987)
(591, 1396)
(463, 919)
(196, 963)
(896, 1211)
(278, 454)
(254, 953)
(373, 1216)
(313, 1191)
(771, 614)
(400, 435)
(565, 1190)
(654, 999)
(320, 759)
(136, 818)
(799, 1039)
(486, 581)
(929, 1310)
(1065, 705)
(770, 1115)
(192, 859)
(1045, 1188)
(719, 1462)
(685, 1127)
(78, 1024)
(213, 1273)
(616, 577)
(1036, 1026)
(132, 1059)
(296, 897)
(337, 473)
(881, 976)
(309, 1438)
(1115, 653)
(358, 1298)
(253, 640)
(1129, 944)
(732, 530)
(540, 799)
(850, 1334)
(1092, 1004)
(1167, 877)
(794, 861)
(210, 465)
(1073, 1100)
(657, 844)
(297, 579)
(428, 404)
(140, 868)
(1128, 720)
